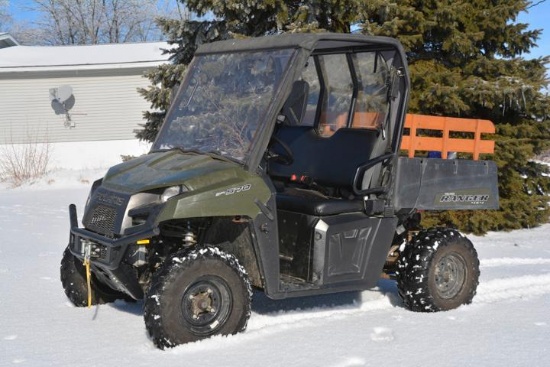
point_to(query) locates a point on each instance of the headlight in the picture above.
(171, 192)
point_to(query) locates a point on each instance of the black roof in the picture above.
(307, 41)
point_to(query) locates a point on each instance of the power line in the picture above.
(535, 4)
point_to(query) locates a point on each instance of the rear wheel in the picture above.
(195, 295)
(438, 271)
(73, 279)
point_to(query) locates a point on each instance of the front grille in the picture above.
(105, 212)
(102, 220)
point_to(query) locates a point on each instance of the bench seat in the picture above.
(313, 203)
(328, 162)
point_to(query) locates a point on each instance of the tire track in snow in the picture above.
(513, 261)
(513, 288)
(292, 318)
(491, 291)
(264, 324)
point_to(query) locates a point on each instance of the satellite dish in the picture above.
(58, 107)
(69, 103)
(62, 100)
(64, 93)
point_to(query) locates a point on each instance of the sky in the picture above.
(537, 18)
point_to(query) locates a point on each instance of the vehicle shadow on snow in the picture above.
(263, 305)
(133, 308)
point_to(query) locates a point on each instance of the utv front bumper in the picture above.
(106, 255)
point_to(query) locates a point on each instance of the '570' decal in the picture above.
(234, 190)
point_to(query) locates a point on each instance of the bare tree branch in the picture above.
(4, 16)
(98, 21)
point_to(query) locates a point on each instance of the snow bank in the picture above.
(77, 164)
(94, 154)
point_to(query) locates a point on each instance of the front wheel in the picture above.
(73, 279)
(438, 271)
(195, 295)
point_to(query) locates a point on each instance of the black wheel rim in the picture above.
(206, 305)
(450, 275)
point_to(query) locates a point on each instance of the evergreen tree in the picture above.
(184, 37)
(234, 18)
(465, 61)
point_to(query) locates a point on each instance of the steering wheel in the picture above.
(286, 158)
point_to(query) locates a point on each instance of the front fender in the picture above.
(233, 198)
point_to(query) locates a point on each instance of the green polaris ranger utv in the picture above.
(278, 168)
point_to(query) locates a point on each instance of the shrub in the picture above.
(20, 163)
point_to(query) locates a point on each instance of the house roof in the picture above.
(87, 57)
(6, 40)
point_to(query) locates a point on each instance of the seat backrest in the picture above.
(329, 161)
(295, 106)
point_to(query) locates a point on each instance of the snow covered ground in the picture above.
(508, 323)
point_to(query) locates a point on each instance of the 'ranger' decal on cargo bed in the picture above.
(473, 199)
(234, 190)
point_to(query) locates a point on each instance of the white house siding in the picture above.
(107, 105)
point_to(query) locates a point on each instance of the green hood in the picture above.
(164, 169)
